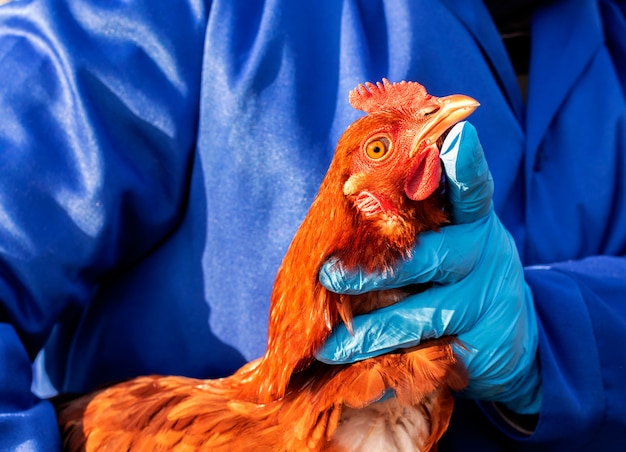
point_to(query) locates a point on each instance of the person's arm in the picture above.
(99, 113)
(581, 318)
(581, 313)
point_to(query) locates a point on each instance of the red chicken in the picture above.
(382, 189)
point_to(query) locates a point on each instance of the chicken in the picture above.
(384, 186)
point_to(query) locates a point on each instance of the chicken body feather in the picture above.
(325, 408)
(367, 213)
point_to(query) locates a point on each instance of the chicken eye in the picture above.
(377, 148)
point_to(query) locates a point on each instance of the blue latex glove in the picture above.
(478, 293)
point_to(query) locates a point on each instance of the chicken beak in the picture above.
(452, 109)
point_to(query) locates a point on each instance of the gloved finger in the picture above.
(469, 184)
(405, 324)
(442, 257)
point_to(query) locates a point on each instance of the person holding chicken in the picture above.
(158, 158)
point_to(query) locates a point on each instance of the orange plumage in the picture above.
(382, 189)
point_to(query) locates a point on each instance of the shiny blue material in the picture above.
(157, 157)
(479, 293)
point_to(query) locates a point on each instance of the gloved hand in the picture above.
(478, 292)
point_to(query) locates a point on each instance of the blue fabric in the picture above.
(157, 157)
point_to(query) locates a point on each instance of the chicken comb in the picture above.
(386, 96)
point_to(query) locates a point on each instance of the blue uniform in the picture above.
(156, 159)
